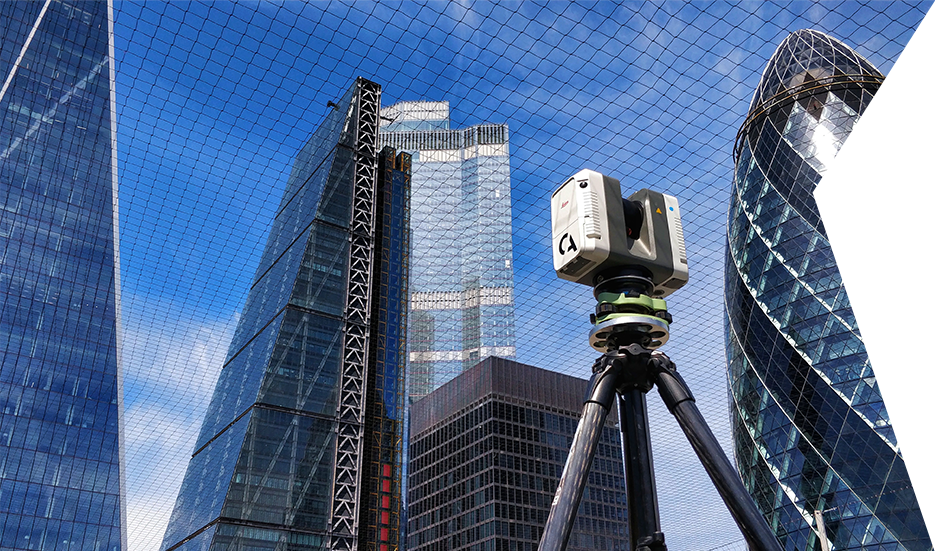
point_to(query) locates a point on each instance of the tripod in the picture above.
(628, 370)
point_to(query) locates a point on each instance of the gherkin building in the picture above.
(812, 438)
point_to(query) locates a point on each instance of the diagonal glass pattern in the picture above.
(811, 433)
(276, 456)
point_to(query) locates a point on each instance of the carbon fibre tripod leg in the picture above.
(578, 465)
(634, 371)
(642, 505)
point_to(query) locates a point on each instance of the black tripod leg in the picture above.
(578, 465)
(642, 504)
(681, 403)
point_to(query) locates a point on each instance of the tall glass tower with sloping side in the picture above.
(462, 253)
(60, 386)
(302, 443)
(812, 438)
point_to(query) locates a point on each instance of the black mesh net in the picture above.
(215, 99)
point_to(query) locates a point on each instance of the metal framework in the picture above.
(345, 511)
(833, 83)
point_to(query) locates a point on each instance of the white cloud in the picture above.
(159, 444)
(170, 369)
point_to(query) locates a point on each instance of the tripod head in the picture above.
(626, 311)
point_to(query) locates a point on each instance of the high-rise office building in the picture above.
(812, 438)
(487, 452)
(301, 446)
(60, 386)
(461, 306)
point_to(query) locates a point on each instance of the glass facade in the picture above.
(60, 387)
(812, 438)
(487, 453)
(383, 492)
(461, 306)
(301, 446)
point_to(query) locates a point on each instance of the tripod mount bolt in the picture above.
(655, 542)
(633, 367)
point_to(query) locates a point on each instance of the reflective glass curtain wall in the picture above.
(812, 438)
(60, 382)
(462, 274)
(382, 517)
(301, 446)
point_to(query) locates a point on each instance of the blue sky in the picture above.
(215, 99)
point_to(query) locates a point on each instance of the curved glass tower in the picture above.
(812, 438)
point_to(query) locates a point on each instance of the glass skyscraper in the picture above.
(488, 449)
(461, 306)
(812, 438)
(302, 442)
(60, 387)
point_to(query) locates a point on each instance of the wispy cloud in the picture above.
(171, 365)
(217, 97)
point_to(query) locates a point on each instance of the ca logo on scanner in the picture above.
(571, 244)
(594, 228)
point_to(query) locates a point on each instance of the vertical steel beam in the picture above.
(351, 406)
